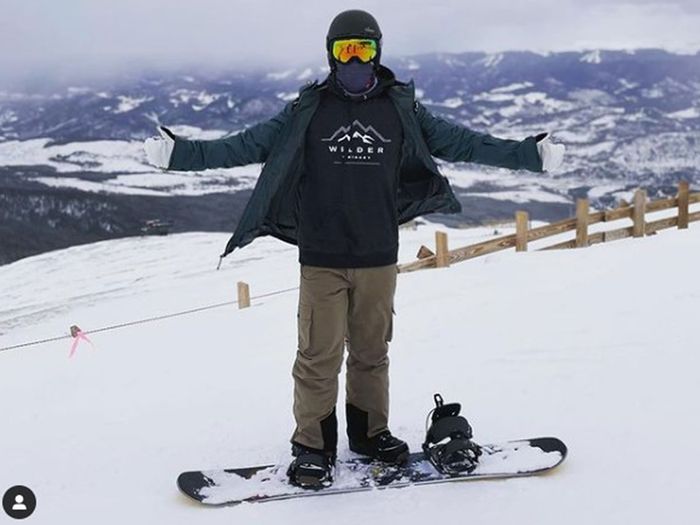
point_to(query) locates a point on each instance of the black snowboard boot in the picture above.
(383, 447)
(312, 468)
(448, 445)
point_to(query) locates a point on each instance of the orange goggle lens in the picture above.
(363, 49)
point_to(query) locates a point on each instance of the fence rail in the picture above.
(580, 224)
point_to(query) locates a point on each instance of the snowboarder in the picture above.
(345, 163)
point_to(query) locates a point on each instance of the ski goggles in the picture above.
(365, 49)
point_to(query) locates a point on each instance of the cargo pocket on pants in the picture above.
(390, 328)
(304, 319)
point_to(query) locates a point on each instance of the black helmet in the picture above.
(353, 23)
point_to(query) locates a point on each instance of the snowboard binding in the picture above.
(448, 445)
(311, 468)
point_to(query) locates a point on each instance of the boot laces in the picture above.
(386, 438)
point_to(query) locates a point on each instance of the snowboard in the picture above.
(518, 458)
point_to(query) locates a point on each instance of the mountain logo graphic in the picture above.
(366, 138)
(356, 144)
(356, 130)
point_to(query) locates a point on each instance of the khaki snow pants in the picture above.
(339, 306)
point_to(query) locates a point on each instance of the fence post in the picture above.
(683, 205)
(639, 225)
(581, 223)
(243, 295)
(521, 222)
(442, 258)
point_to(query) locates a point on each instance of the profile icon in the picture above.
(19, 502)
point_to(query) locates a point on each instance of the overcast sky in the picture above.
(41, 37)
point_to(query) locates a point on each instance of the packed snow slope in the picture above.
(597, 346)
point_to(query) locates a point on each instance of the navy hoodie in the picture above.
(347, 195)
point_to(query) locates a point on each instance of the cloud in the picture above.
(41, 37)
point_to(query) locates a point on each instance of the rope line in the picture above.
(145, 320)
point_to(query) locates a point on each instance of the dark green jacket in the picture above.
(279, 144)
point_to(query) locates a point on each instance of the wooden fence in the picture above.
(637, 211)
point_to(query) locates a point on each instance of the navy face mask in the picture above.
(355, 76)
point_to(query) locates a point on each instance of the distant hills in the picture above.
(628, 118)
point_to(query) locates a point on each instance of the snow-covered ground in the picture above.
(126, 161)
(597, 346)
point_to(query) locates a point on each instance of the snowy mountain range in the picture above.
(73, 169)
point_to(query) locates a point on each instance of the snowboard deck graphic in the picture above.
(518, 458)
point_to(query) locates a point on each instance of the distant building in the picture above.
(156, 227)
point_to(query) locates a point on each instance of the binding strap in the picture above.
(448, 427)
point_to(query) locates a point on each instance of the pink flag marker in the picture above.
(77, 335)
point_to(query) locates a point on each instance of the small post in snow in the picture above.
(581, 223)
(442, 258)
(640, 204)
(243, 295)
(683, 205)
(521, 223)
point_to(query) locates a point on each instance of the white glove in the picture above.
(552, 155)
(159, 149)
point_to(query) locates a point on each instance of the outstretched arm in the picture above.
(457, 143)
(249, 146)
